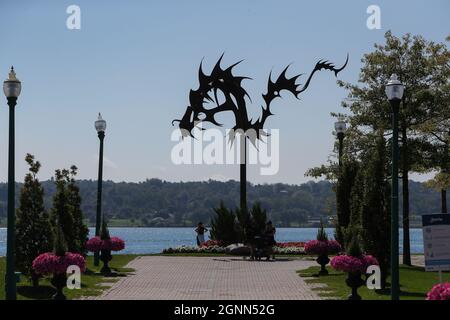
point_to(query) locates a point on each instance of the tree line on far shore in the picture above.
(159, 203)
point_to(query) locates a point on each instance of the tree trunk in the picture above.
(405, 195)
(444, 200)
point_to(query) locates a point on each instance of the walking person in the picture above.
(201, 229)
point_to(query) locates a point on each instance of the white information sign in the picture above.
(436, 241)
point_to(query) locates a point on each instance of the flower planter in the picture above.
(355, 267)
(322, 248)
(59, 281)
(105, 246)
(354, 281)
(105, 257)
(323, 261)
(51, 264)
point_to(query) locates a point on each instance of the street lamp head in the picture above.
(12, 85)
(394, 89)
(100, 124)
(340, 125)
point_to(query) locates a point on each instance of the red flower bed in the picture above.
(290, 244)
(211, 243)
(49, 263)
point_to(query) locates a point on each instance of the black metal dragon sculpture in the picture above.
(235, 96)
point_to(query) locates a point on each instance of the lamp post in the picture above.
(340, 128)
(394, 92)
(11, 87)
(100, 126)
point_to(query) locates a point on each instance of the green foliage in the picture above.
(375, 208)
(60, 244)
(344, 189)
(242, 226)
(66, 212)
(61, 216)
(162, 204)
(224, 226)
(80, 230)
(321, 234)
(353, 241)
(259, 218)
(33, 231)
(104, 231)
(424, 68)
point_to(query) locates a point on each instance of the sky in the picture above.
(135, 62)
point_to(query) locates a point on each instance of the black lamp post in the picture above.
(11, 87)
(394, 92)
(340, 128)
(100, 126)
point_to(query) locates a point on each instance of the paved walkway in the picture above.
(211, 278)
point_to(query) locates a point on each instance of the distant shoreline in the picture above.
(139, 227)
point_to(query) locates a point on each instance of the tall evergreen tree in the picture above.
(80, 230)
(61, 213)
(344, 188)
(259, 218)
(224, 226)
(33, 230)
(375, 207)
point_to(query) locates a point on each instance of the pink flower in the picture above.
(49, 263)
(322, 247)
(114, 244)
(96, 244)
(439, 292)
(348, 263)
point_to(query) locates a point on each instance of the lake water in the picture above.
(154, 240)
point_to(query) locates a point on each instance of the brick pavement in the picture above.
(211, 278)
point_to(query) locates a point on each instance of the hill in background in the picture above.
(160, 203)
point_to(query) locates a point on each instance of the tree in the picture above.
(61, 214)
(223, 226)
(374, 210)
(421, 65)
(80, 230)
(33, 230)
(321, 233)
(437, 131)
(344, 189)
(259, 218)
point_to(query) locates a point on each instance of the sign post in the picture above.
(436, 242)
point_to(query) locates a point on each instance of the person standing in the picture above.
(200, 233)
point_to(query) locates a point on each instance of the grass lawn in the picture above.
(414, 282)
(92, 283)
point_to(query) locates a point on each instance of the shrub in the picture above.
(223, 226)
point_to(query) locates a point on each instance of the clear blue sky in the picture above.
(135, 61)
